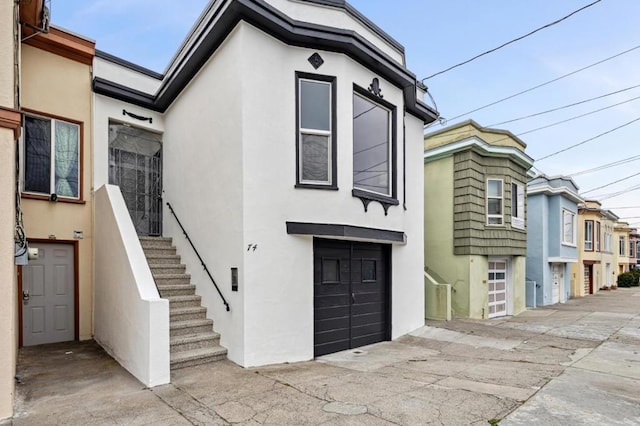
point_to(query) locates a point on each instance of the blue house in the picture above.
(552, 237)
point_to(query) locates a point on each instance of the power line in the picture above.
(577, 116)
(564, 106)
(511, 41)
(546, 83)
(610, 183)
(605, 166)
(588, 140)
(618, 193)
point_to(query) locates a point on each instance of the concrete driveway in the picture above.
(576, 363)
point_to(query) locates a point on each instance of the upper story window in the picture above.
(316, 136)
(372, 146)
(608, 238)
(597, 236)
(588, 235)
(51, 157)
(632, 249)
(623, 245)
(517, 205)
(568, 227)
(495, 202)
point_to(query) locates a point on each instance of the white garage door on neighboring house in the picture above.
(497, 285)
(48, 292)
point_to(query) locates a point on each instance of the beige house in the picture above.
(9, 133)
(55, 184)
(596, 266)
(475, 220)
(623, 252)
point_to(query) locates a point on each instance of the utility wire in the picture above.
(606, 166)
(564, 106)
(511, 41)
(546, 83)
(618, 193)
(587, 140)
(577, 116)
(610, 183)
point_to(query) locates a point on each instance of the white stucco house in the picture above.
(287, 137)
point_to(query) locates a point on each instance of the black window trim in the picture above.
(366, 196)
(333, 184)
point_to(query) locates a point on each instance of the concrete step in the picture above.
(155, 242)
(197, 356)
(162, 259)
(182, 328)
(187, 313)
(160, 269)
(167, 291)
(194, 341)
(159, 250)
(172, 279)
(184, 301)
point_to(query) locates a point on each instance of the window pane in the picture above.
(315, 158)
(494, 188)
(494, 206)
(37, 146)
(371, 143)
(67, 149)
(495, 221)
(315, 105)
(330, 270)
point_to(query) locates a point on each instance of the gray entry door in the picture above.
(48, 313)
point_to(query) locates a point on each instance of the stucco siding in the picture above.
(203, 180)
(56, 86)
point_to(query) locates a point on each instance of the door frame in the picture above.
(387, 254)
(508, 285)
(76, 280)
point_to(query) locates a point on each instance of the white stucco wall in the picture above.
(335, 17)
(131, 320)
(125, 76)
(279, 274)
(203, 181)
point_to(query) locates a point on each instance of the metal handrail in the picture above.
(199, 258)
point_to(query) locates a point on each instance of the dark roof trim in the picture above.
(123, 93)
(111, 58)
(303, 34)
(363, 20)
(345, 231)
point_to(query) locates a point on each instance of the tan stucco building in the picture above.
(475, 221)
(596, 266)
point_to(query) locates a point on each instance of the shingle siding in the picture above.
(471, 234)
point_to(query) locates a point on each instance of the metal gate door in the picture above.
(135, 165)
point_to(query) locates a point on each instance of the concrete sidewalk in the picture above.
(576, 363)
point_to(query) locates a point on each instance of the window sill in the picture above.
(368, 197)
(569, 245)
(316, 186)
(46, 198)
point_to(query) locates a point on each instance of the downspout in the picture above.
(404, 160)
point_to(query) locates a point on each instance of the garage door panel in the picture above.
(332, 312)
(328, 336)
(350, 295)
(331, 347)
(371, 318)
(331, 324)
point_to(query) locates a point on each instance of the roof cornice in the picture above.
(481, 147)
(200, 46)
(550, 190)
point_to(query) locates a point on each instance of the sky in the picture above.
(439, 34)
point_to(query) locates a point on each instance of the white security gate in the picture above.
(497, 285)
(556, 269)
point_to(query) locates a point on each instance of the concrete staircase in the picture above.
(193, 340)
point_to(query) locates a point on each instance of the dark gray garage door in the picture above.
(351, 295)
